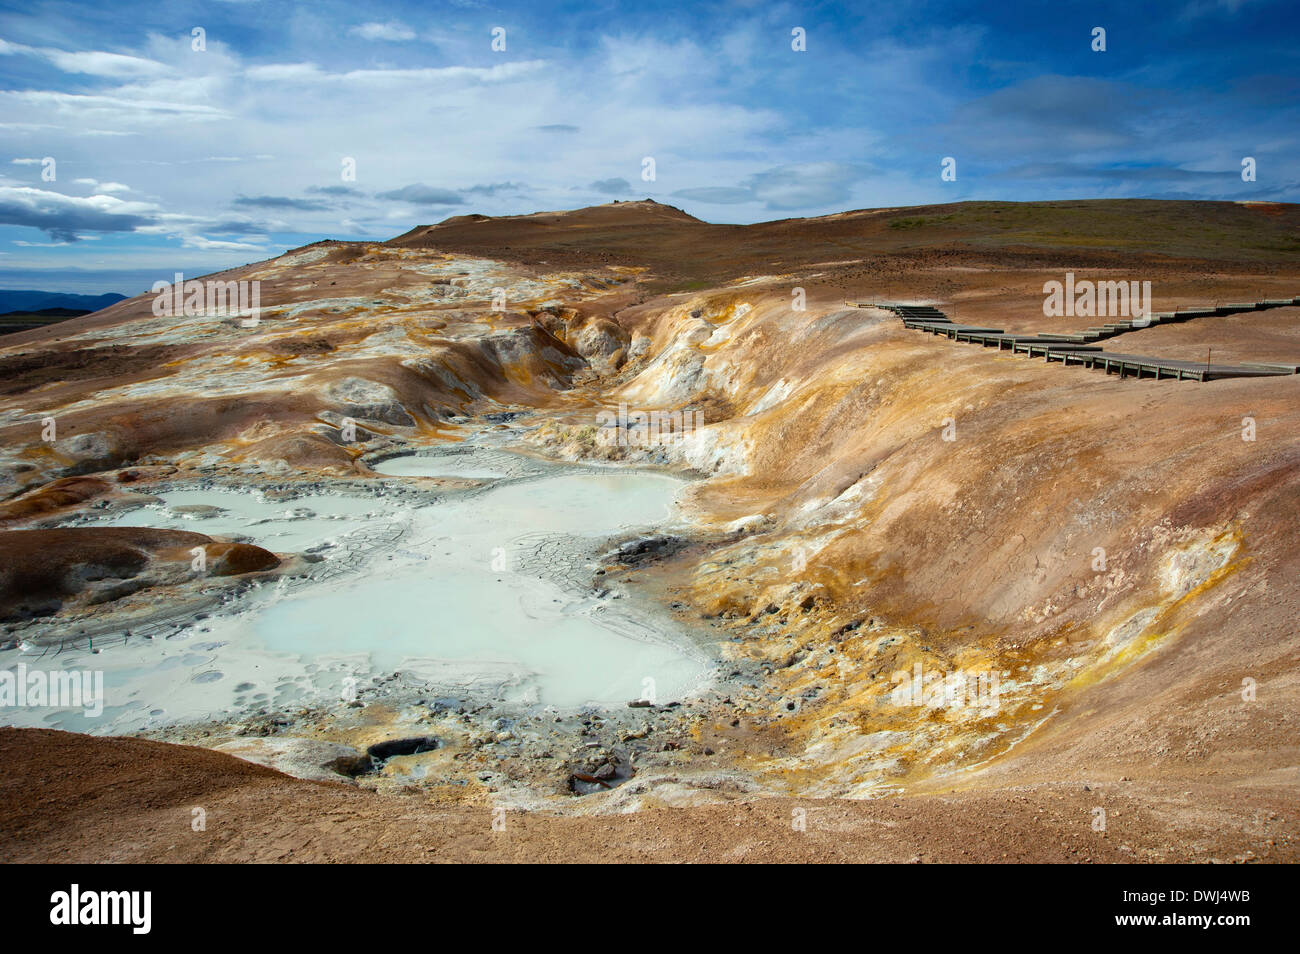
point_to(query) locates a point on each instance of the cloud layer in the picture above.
(257, 129)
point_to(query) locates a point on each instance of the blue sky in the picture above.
(169, 158)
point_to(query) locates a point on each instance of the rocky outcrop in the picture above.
(44, 571)
(52, 498)
(305, 451)
(369, 401)
(236, 559)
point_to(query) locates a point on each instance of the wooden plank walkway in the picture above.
(1110, 329)
(1078, 347)
(1138, 366)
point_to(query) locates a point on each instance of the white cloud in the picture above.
(104, 188)
(108, 107)
(63, 217)
(444, 75)
(275, 72)
(198, 241)
(88, 62)
(98, 63)
(392, 31)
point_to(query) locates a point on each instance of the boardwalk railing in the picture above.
(1080, 347)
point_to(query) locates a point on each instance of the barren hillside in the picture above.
(1121, 554)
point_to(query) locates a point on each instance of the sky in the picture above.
(194, 137)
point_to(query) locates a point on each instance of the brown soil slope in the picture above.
(69, 798)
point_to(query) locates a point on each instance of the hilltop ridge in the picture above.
(683, 250)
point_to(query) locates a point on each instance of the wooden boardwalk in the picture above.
(1139, 366)
(1079, 348)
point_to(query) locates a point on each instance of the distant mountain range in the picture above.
(29, 301)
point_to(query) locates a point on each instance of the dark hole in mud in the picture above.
(352, 765)
(382, 751)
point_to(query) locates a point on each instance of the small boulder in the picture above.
(233, 559)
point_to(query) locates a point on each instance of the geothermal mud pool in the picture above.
(480, 594)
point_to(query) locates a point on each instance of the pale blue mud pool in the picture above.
(441, 466)
(279, 525)
(471, 599)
